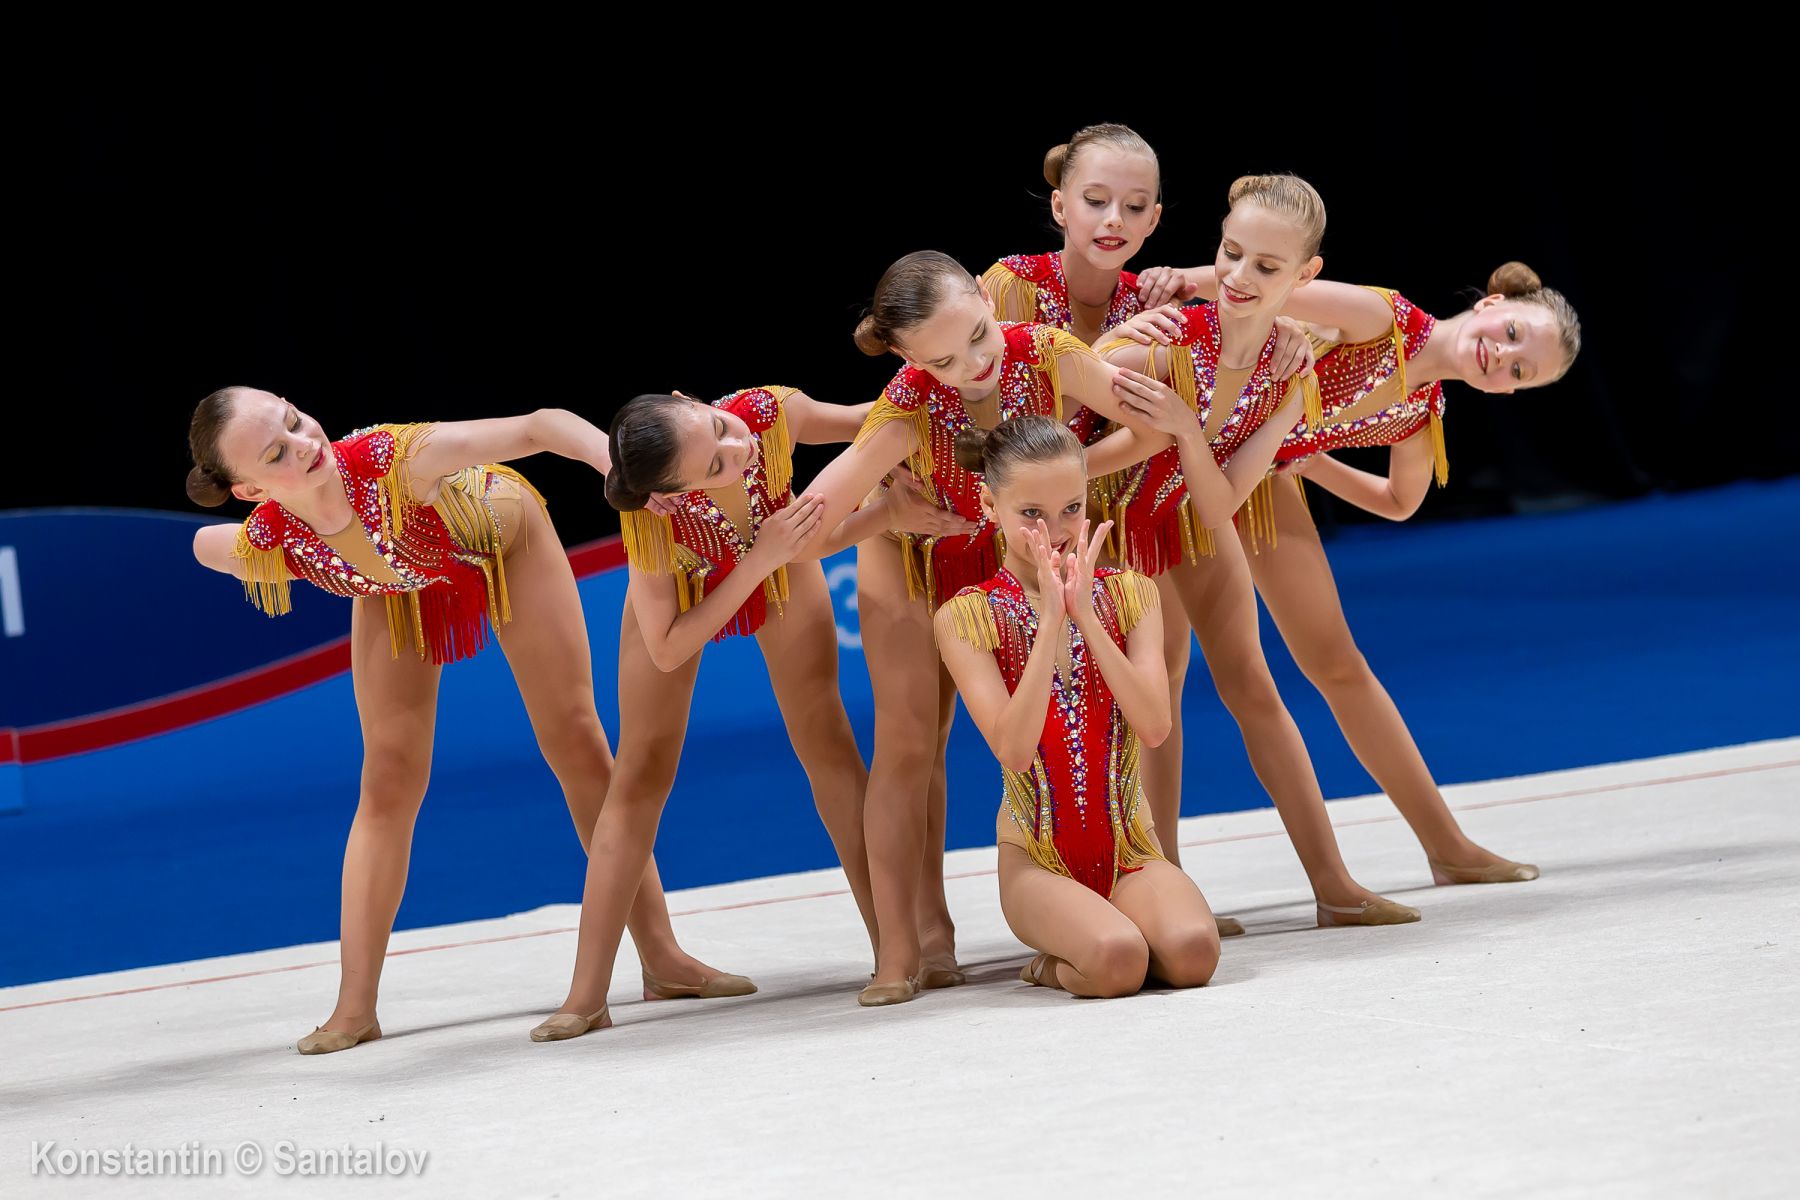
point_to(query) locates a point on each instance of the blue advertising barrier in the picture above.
(1512, 646)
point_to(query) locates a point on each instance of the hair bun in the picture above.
(205, 488)
(970, 449)
(867, 340)
(1054, 163)
(621, 497)
(1514, 279)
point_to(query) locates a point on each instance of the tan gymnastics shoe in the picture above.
(1040, 971)
(1369, 912)
(880, 995)
(716, 988)
(329, 1041)
(1228, 926)
(942, 973)
(1443, 874)
(563, 1026)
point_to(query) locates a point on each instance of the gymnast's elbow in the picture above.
(665, 659)
(1016, 760)
(1154, 734)
(213, 546)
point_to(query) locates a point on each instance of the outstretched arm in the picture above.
(815, 423)
(1348, 312)
(448, 447)
(1396, 495)
(851, 476)
(213, 547)
(900, 507)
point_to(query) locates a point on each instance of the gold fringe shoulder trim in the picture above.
(649, 541)
(1132, 596)
(1015, 297)
(1053, 345)
(972, 618)
(885, 413)
(778, 445)
(397, 483)
(266, 580)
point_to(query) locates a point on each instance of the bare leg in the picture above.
(1099, 951)
(546, 645)
(937, 931)
(1161, 765)
(396, 701)
(1296, 583)
(904, 670)
(653, 716)
(800, 648)
(1170, 912)
(1221, 605)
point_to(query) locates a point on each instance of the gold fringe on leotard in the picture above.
(972, 619)
(1440, 458)
(473, 525)
(1132, 596)
(1015, 298)
(1051, 345)
(777, 447)
(920, 461)
(266, 580)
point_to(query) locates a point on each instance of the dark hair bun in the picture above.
(971, 449)
(621, 497)
(867, 340)
(205, 488)
(1054, 162)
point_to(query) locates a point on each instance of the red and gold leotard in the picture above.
(938, 567)
(1363, 392)
(1031, 287)
(701, 544)
(1080, 810)
(1034, 284)
(441, 564)
(1153, 525)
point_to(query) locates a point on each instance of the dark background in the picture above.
(391, 240)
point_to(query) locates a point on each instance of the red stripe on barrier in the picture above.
(80, 735)
(594, 558)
